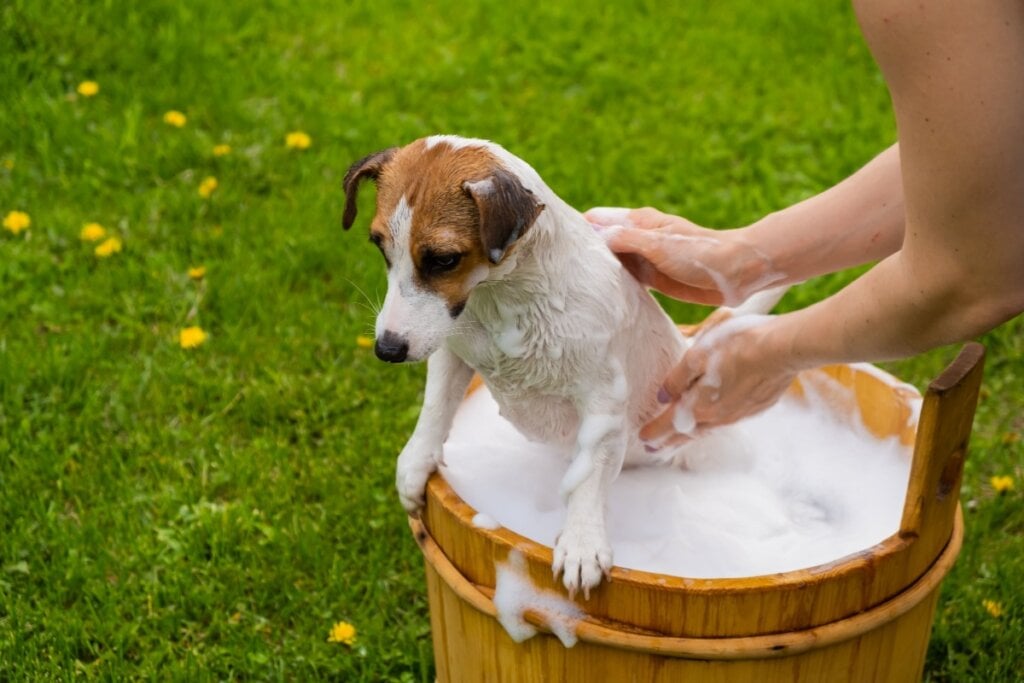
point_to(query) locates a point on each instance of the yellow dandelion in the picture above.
(1011, 437)
(108, 247)
(364, 342)
(994, 608)
(88, 88)
(16, 221)
(92, 232)
(8, 163)
(191, 337)
(221, 150)
(175, 118)
(1002, 484)
(342, 632)
(297, 140)
(207, 187)
(197, 272)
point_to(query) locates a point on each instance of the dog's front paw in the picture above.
(417, 462)
(583, 556)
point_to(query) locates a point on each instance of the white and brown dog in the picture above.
(488, 270)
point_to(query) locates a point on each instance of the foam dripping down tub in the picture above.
(766, 605)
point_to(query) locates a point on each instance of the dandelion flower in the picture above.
(191, 337)
(16, 221)
(364, 342)
(108, 247)
(994, 608)
(207, 187)
(197, 272)
(1002, 484)
(342, 632)
(88, 88)
(221, 150)
(175, 118)
(8, 163)
(92, 232)
(297, 140)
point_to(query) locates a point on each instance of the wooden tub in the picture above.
(864, 617)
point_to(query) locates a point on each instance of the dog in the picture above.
(489, 271)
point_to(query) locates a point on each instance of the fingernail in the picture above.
(663, 396)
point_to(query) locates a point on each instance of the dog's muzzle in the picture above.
(391, 348)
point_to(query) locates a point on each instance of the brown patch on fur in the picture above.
(507, 209)
(447, 217)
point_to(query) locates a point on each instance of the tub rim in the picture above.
(621, 635)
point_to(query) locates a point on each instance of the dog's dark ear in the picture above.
(506, 208)
(367, 167)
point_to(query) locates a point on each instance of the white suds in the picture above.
(683, 420)
(795, 486)
(514, 594)
(483, 520)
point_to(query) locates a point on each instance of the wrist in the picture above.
(753, 268)
(779, 338)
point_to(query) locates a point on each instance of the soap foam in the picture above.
(482, 520)
(515, 593)
(792, 487)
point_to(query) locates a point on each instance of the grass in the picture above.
(208, 514)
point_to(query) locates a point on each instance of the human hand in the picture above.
(734, 369)
(682, 259)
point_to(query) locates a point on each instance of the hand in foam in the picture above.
(733, 370)
(682, 259)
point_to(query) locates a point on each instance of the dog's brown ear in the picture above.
(506, 208)
(367, 167)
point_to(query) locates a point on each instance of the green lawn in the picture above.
(210, 513)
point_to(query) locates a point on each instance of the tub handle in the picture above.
(943, 432)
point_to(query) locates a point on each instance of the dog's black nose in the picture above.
(391, 347)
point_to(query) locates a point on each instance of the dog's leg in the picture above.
(447, 379)
(582, 552)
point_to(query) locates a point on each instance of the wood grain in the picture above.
(892, 586)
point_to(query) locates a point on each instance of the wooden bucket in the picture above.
(864, 617)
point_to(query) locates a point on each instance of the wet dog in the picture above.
(489, 271)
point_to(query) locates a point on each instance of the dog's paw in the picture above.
(417, 462)
(583, 556)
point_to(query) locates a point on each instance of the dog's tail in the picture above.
(761, 303)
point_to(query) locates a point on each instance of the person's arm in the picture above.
(857, 221)
(956, 74)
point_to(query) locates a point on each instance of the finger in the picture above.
(684, 292)
(639, 267)
(633, 241)
(682, 377)
(608, 216)
(647, 218)
(659, 430)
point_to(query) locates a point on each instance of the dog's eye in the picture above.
(379, 241)
(434, 264)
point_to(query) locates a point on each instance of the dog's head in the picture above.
(448, 211)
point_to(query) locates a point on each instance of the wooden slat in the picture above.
(664, 606)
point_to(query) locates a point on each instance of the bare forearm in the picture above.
(899, 308)
(857, 221)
